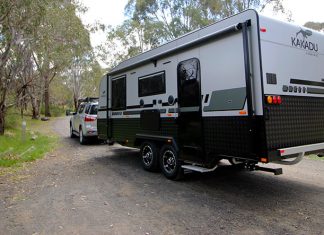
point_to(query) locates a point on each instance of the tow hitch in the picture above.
(276, 171)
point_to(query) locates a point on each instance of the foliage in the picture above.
(315, 25)
(14, 151)
(154, 22)
(39, 40)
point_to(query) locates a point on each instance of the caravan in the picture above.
(248, 89)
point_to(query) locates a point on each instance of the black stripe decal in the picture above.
(132, 112)
(315, 91)
(138, 106)
(133, 107)
(136, 112)
(166, 104)
(306, 82)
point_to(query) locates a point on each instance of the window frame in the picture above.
(197, 79)
(148, 76)
(125, 93)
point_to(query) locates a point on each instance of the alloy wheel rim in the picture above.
(147, 155)
(169, 161)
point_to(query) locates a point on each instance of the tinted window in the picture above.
(151, 85)
(94, 109)
(81, 108)
(118, 93)
(87, 108)
(188, 83)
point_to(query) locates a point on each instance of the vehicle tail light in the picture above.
(89, 119)
(263, 30)
(274, 99)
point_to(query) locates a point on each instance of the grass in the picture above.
(15, 150)
(56, 111)
(315, 157)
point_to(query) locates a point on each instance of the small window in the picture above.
(118, 93)
(94, 110)
(152, 84)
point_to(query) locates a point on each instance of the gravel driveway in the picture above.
(100, 189)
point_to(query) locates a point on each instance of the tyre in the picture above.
(82, 138)
(235, 161)
(72, 135)
(170, 164)
(149, 156)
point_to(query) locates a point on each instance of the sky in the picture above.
(111, 12)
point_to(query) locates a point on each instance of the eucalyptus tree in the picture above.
(151, 23)
(60, 39)
(17, 20)
(315, 25)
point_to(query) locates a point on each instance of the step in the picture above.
(198, 168)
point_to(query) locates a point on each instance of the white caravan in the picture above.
(248, 89)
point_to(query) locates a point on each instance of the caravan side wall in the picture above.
(224, 125)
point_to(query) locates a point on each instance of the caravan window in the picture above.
(188, 83)
(152, 84)
(118, 93)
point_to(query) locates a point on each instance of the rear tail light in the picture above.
(89, 119)
(274, 99)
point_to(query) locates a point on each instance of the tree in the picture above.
(154, 22)
(17, 19)
(83, 78)
(38, 40)
(61, 38)
(315, 25)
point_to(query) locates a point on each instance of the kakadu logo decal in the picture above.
(301, 40)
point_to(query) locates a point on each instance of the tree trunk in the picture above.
(35, 108)
(2, 119)
(47, 97)
(75, 100)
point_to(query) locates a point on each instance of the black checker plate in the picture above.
(297, 121)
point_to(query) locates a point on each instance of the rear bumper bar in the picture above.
(301, 149)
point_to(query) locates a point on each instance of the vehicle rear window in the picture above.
(94, 109)
(87, 109)
(81, 108)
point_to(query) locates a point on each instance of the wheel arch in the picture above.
(158, 140)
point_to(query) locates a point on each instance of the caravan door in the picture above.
(189, 101)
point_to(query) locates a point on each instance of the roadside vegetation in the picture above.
(17, 147)
(315, 157)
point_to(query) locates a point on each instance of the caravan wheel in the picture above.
(149, 156)
(170, 164)
(235, 161)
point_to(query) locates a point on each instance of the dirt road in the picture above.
(97, 189)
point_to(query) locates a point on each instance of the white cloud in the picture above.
(108, 12)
